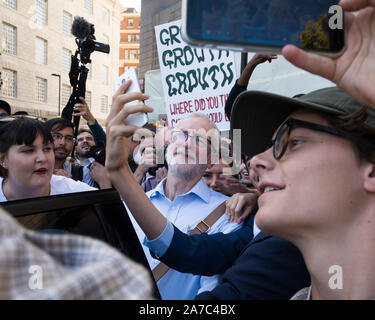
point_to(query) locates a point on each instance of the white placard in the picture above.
(194, 79)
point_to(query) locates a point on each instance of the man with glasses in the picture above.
(63, 138)
(185, 200)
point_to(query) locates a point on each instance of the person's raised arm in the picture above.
(243, 81)
(147, 216)
(354, 70)
(96, 129)
(257, 59)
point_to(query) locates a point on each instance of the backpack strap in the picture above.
(77, 172)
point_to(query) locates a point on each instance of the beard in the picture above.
(187, 171)
(82, 153)
(182, 166)
(62, 154)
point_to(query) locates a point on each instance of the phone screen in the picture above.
(315, 25)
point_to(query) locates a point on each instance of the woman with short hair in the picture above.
(27, 161)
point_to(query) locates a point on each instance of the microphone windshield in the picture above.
(80, 28)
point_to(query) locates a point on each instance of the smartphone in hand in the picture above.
(137, 119)
(264, 26)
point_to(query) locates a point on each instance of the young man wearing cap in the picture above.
(317, 185)
(314, 151)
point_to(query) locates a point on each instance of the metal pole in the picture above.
(59, 107)
(58, 114)
(243, 60)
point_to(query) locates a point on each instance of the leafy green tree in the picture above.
(315, 35)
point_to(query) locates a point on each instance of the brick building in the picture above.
(129, 39)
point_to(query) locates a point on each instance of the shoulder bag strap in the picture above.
(203, 226)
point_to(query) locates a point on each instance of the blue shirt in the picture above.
(86, 178)
(185, 212)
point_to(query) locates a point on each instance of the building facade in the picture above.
(129, 39)
(36, 48)
(153, 14)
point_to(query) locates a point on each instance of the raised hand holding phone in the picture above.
(118, 133)
(138, 119)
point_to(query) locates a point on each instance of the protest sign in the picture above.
(193, 79)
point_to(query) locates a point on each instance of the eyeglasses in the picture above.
(59, 137)
(282, 137)
(182, 136)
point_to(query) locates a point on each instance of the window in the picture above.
(104, 104)
(130, 22)
(126, 54)
(66, 60)
(41, 90)
(105, 75)
(88, 99)
(89, 5)
(12, 4)
(133, 54)
(105, 16)
(42, 11)
(65, 94)
(9, 88)
(40, 51)
(133, 38)
(67, 24)
(9, 39)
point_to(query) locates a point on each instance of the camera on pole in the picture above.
(85, 40)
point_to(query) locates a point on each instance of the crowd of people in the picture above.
(294, 222)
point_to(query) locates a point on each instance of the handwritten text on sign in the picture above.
(194, 79)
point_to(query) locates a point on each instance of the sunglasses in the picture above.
(282, 136)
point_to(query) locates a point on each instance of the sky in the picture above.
(132, 4)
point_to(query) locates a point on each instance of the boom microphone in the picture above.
(84, 33)
(81, 28)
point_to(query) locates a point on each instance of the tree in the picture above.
(315, 36)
